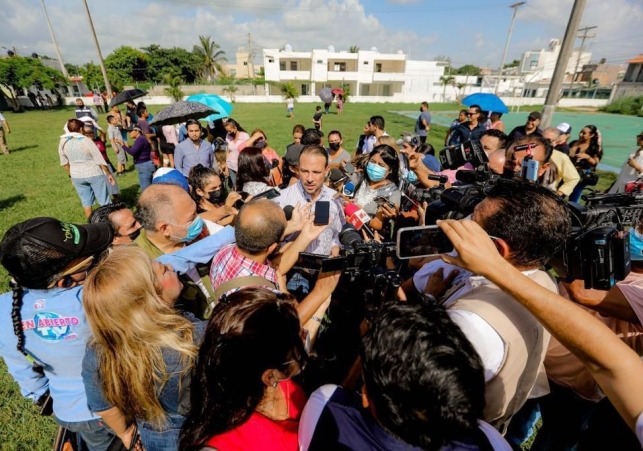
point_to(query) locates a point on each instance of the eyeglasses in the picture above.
(471, 114)
(83, 266)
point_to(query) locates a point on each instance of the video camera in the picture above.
(598, 250)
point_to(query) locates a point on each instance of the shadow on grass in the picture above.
(21, 148)
(10, 201)
(129, 195)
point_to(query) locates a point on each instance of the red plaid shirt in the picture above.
(228, 264)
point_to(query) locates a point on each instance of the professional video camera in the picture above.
(459, 201)
(598, 250)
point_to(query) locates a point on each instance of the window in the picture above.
(320, 61)
(233, 71)
(293, 65)
(339, 67)
(378, 67)
(304, 90)
(365, 63)
(245, 63)
(282, 65)
(387, 90)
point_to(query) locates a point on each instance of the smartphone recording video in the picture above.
(422, 242)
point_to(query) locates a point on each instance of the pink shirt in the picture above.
(233, 149)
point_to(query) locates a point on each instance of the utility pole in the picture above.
(100, 55)
(251, 56)
(561, 64)
(584, 37)
(515, 7)
(53, 38)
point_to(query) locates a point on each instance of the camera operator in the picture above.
(568, 176)
(259, 230)
(530, 224)
(540, 150)
(616, 368)
(423, 389)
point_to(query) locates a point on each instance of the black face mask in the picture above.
(508, 173)
(334, 146)
(217, 196)
(132, 236)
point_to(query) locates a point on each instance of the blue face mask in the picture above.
(636, 245)
(375, 173)
(194, 230)
(411, 177)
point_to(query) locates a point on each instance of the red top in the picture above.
(263, 434)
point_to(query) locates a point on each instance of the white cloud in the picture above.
(306, 24)
(618, 33)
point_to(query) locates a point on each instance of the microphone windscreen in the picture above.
(350, 209)
(288, 209)
(336, 175)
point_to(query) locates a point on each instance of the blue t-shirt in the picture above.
(420, 129)
(56, 331)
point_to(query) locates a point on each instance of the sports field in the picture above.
(32, 183)
(618, 132)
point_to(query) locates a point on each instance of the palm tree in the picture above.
(174, 81)
(289, 90)
(459, 87)
(211, 57)
(353, 49)
(446, 80)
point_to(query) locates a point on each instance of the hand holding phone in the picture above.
(322, 212)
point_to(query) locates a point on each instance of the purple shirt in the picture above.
(141, 150)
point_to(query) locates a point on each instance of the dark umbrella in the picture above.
(126, 96)
(181, 111)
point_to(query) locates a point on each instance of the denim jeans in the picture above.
(233, 177)
(145, 174)
(575, 195)
(163, 438)
(94, 433)
(92, 189)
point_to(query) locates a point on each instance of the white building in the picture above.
(537, 68)
(367, 73)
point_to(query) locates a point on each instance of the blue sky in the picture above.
(468, 31)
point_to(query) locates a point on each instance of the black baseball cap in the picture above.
(38, 249)
(535, 115)
(131, 129)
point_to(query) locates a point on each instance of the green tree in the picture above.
(231, 89)
(176, 60)
(468, 69)
(20, 73)
(130, 64)
(211, 57)
(174, 90)
(289, 90)
(445, 81)
(514, 63)
(353, 49)
(93, 77)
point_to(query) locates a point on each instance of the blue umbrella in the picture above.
(486, 102)
(221, 106)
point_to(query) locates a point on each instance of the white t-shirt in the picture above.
(2, 117)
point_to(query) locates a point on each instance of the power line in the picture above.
(584, 37)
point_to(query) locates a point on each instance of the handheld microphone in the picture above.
(349, 189)
(358, 218)
(288, 209)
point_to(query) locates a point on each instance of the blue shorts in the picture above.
(92, 189)
(290, 110)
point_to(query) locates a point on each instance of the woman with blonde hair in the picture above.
(137, 365)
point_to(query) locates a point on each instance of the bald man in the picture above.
(497, 161)
(259, 230)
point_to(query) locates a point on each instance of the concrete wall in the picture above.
(395, 98)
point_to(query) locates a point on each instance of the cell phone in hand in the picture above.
(270, 194)
(349, 168)
(384, 201)
(322, 212)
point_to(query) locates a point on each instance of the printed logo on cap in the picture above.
(70, 231)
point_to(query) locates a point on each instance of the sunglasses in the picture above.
(471, 114)
(639, 136)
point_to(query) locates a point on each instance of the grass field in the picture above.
(32, 183)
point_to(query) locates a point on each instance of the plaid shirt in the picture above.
(229, 264)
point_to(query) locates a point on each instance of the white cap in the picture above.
(564, 128)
